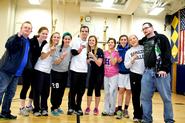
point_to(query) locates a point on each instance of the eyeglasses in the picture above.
(145, 28)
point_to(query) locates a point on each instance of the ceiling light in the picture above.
(34, 2)
(156, 11)
(107, 3)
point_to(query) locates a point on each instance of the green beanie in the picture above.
(67, 34)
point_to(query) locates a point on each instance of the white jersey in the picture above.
(138, 66)
(79, 62)
(44, 65)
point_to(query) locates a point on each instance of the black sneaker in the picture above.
(1, 116)
(80, 112)
(70, 112)
(8, 116)
(104, 114)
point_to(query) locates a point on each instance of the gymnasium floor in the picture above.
(178, 106)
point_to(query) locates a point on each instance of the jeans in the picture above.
(149, 83)
(8, 84)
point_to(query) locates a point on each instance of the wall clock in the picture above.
(87, 18)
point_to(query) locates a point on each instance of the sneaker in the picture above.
(44, 113)
(80, 112)
(125, 113)
(143, 121)
(70, 111)
(135, 120)
(23, 111)
(37, 114)
(96, 111)
(87, 111)
(29, 108)
(111, 114)
(171, 121)
(1, 116)
(104, 114)
(60, 111)
(55, 112)
(119, 114)
(8, 116)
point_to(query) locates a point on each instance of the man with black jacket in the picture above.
(157, 59)
(12, 64)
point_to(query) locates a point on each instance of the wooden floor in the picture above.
(178, 106)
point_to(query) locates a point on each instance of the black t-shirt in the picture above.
(95, 69)
(164, 45)
(149, 53)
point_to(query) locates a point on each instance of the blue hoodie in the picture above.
(122, 52)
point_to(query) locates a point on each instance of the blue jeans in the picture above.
(149, 83)
(8, 84)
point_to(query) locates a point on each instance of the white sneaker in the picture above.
(44, 113)
(23, 111)
(135, 120)
(29, 108)
(37, 114)
(125, 113)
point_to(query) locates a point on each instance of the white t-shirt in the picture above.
(44, 65)
(138, 66)
(78, 62)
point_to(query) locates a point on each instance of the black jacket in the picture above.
(11, 60)
(35, 49)
(165, 48)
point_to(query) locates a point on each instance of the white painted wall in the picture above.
(37, 15)
(158, 24)
(7, 14)
(68, 19)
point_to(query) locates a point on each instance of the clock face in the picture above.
(87, 18)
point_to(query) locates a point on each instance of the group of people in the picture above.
(131, 67)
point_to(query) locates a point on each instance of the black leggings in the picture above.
(135, 82)
(95, 82)
(58, 85)
(41, 89)
(77, 89)
(27, 81)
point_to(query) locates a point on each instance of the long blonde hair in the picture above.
(51, 41)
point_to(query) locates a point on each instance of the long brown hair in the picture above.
(95, 48)
(41, 29)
